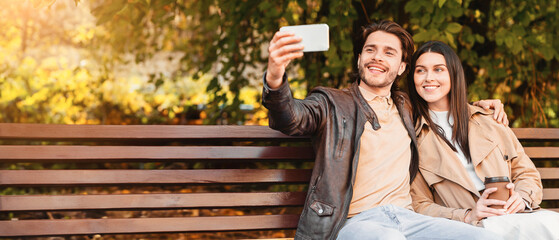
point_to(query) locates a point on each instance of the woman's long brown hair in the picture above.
(458, 96)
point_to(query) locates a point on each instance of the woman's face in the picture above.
(432, 80)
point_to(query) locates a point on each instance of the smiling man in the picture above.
(365, 143)
(380, 62)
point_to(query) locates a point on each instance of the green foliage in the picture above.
(226, 39)
(508, 48)
(57, 66)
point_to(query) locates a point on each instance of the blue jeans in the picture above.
(391, 222)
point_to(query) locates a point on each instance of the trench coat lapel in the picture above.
(480, 142)
(439, 159)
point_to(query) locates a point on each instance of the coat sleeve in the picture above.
(423, 202)
(292, 116)
(523, 172)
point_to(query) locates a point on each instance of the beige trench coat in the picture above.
(443, 187)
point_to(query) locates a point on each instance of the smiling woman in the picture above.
(460, 146)
(432, 80)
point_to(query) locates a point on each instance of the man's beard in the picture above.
(369, 82)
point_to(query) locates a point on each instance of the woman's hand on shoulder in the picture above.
(482, 209)
(499, 115)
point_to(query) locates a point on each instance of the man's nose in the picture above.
(377, 56)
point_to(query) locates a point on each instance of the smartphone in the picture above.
(315, 36)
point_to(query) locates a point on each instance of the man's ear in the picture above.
(402, 68)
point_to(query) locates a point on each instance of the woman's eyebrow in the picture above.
(437, 65)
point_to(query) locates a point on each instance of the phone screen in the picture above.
(315, 36)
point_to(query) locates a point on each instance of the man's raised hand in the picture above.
(283, 48)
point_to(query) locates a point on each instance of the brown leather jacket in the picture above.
(335, 119)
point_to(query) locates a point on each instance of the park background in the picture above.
(201, 62)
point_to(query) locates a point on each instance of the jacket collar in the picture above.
(369, 96)
(364, 106)
(444, 162)
(472, 109)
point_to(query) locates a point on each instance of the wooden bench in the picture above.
(191, 181)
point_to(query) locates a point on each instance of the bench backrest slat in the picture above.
(145, 225)
(530, 134)
(126, 153)
(132, 132)
(100, 132)
(148, 201)
(549, 173)
(551, 193)
(40, 152)
(124, 177)
(542, 152)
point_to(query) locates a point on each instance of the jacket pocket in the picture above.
(322, 209)
(508, 152)
(312, 193)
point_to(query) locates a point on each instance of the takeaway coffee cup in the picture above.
(502, 192)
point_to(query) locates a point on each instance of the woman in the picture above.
(460, 145)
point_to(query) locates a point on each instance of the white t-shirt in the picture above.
(445, 122)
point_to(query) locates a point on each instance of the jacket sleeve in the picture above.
(423, 202)
(524, 175)
(293, 116)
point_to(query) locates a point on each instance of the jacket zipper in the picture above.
(341, 148)
(350, 191)
(313, 189)
(313, 186)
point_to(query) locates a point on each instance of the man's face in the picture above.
(380, 62)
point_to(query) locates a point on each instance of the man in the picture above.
(364, 138)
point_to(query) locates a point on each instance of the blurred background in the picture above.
(201, 62)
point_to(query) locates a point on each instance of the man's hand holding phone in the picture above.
(284, 47)
(290, 43)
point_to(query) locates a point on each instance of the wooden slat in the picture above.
(120, 177)
(163, 201)
(54, 152)
(144, 225)
(61, 131)
(88, 132)
(549, 173)
(551, 194)
(551, 134)
(148, 201)
(542, 152)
